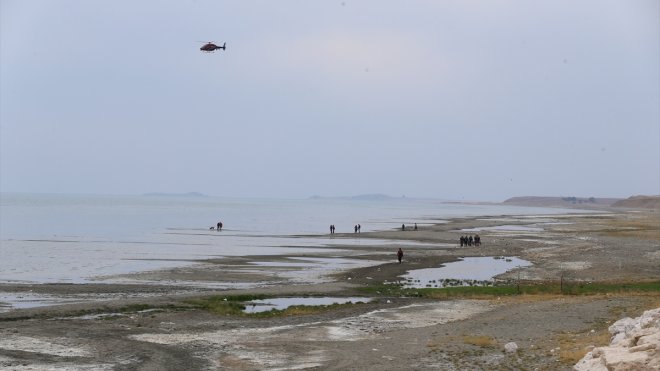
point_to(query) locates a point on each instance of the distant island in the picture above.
(188, 194)
(633, 202)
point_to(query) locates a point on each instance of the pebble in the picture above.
(511, 347)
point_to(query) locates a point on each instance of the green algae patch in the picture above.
(238, 306)
(541, 288)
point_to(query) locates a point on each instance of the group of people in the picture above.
(471, 241)
(356, 228)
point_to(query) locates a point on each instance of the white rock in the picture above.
(635, 345)
(620, 329)
(590, 362)
(511, 347)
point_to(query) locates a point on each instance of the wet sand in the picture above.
(551, 331)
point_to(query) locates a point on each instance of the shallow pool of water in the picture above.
(465, 272)
(265, 305)
(10, 300)
(522, 228)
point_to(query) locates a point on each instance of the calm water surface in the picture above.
(74, 238)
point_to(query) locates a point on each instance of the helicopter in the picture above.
(211, 47)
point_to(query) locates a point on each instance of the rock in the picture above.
(635, 345)
(511, 347)
(620, 329)
(641, 348)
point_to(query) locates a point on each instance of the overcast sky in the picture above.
(467, 100)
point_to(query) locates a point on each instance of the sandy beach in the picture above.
(154, 326)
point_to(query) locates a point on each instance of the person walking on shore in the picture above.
(399, 255)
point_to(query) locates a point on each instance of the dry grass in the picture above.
(574, 346)
(651, 300)
(476, 340)
(236, 363)
(525, 299)
(644, 227)
(480, 341)
(572, 356)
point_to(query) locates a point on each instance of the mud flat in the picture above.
(169, 320)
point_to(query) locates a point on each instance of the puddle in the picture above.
(283, 303)
(282, 264)
(470, 271)
(522, 228)
(319, 269)
(108, 315)
(376, 242)
(24, 300)
(327, 263)
(9, 300)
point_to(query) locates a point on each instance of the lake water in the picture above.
(75, 238)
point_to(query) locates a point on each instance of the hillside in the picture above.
(639, 202)
(582, 202)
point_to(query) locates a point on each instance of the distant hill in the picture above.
(584, 202)
(639, 202)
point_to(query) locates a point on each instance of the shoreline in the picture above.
(617, 247)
